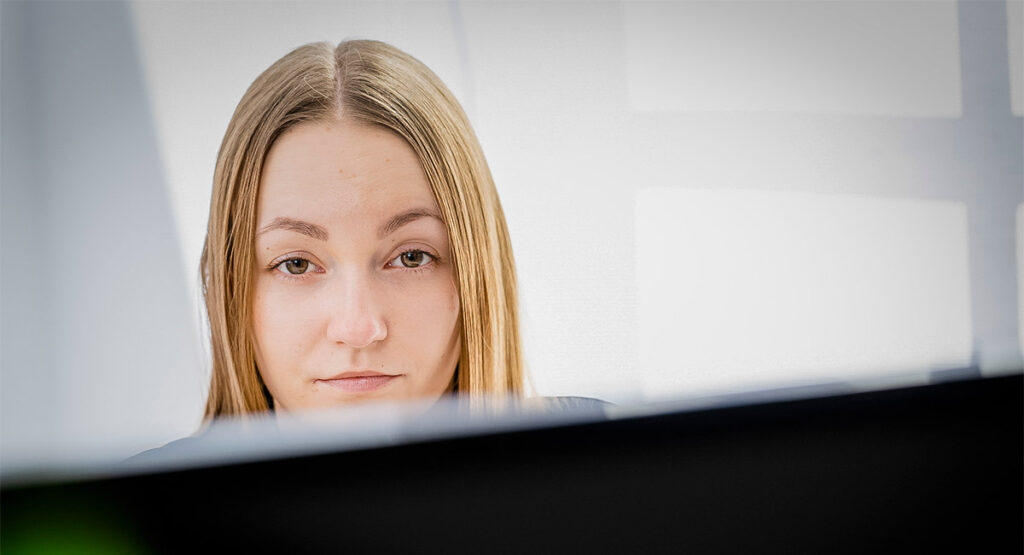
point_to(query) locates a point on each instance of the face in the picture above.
(355, 297)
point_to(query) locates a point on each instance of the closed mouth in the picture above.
(359, 380)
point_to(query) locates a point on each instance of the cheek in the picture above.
(453, 298)
(281, 327)
(263, 328)
(427, 316)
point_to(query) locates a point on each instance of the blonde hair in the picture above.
(374, 83)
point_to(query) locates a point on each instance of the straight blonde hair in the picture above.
(378, 84)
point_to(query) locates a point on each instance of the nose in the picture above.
(355, 319)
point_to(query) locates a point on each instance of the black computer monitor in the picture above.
(930, 468)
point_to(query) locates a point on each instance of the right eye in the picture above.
(295, 266)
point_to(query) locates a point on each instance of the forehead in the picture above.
(333, 169)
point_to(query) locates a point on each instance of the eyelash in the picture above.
(277, 263)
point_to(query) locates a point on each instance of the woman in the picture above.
(356, 247)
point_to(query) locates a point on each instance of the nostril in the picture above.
(357, 333)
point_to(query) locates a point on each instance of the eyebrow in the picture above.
(406, 217)
(318, 232)
(299, 226)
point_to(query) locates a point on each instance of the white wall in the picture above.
(642, 151)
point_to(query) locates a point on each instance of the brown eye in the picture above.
(295, 266)
(412, 259)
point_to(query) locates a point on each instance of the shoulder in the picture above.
(568, 404)
(173, 450)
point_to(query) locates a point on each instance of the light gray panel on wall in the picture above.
(845, 56)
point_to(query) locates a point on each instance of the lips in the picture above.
(359, 381)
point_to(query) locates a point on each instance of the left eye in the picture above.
(411, 259)
(295, 266)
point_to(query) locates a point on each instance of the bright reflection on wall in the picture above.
(743, 288)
